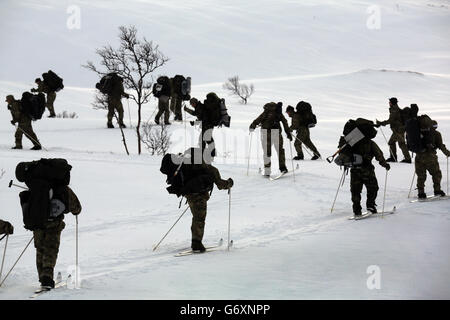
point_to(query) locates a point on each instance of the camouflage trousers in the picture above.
(51, 96)
(115, 105)
(303, 137)
(398, 137)
(360, 177)
(175, 107)
(46, 242)
(27, 129)
(271, 138)
(428, 161)
(163, 108)
(198, 204)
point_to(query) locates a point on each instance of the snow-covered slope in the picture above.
(287, 243)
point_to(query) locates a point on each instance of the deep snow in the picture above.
(287, 244)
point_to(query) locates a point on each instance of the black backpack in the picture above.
(33, 105)
(109, 83)
(53, 81)
(305, 110)
(47, 181)
(186, 173)
(225, 119)
(182, 86)
(212, 109)
(418, 133)
(366, 127)
(161, 87)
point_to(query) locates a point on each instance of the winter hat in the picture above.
(290, 109)
(393, 100)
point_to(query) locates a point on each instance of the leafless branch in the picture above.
(243, 91)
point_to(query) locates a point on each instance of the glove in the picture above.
(13, 123)
(7, 228)
(377, 124)
(387, 166)
(192, 123)
(33, 90)
(230, 183)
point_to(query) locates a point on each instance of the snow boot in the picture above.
(372, 209)
(422, 195)
(406, 161)
(47, 283)
(315, 157)
(167, 123)
(36, 147)
(122, 125)
(17, 147)
(52, 115)
(156, 121)
(391, 159)
(110, 126)
(439, 193)
(197, 245)
(283, 170)
(298, 158)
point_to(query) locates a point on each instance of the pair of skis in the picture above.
(208, 249)
(368, 214)
(431, 198)
(59, 283)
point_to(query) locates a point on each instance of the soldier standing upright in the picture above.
(23, 121)
(398, 132)
(163, 94)
(271, 134)
(115, 102)
(51, 96)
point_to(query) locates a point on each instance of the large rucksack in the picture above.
(109, 83)
(418, 133)
(161, 87)
(186, 173)
(47, 181)
(213, 109)
(305, 110)
(33, 105)
(182, 86)
(53, 81)
(348, 159)
(366, 127)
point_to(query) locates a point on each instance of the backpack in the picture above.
(161, 87)
(182, 87)
(186, 173)
(52, 81)
(366, 127)
(212, 109)
(46, 197)
(305, 109)
(418, 133)
(33, 105)
(109, 83)
(225, 118)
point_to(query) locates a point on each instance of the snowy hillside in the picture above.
(287, 244)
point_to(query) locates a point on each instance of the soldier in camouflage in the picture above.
(47, 239)
(23, 124)
(303, 135)
(175, 103)
(115, 103)
(51, 96)
(269, 121)
(428, 161)
(363, 174)
(6, 227)
(398, 132)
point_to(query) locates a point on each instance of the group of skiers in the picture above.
(191, 174)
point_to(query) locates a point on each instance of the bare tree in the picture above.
(134, 60)
(101, 102)
(156, 138)
(243, 91)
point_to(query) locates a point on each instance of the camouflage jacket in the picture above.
(395, 119)
(118, 92)
(438, 143)
(298, 122)
(368, 149)
(42, 87)
(16, 112)
(271, 118)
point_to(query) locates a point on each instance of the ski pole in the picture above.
(412, 182)
(292, 160)
(249, 151)
(384, 196)
(129, 113)
(170, 229)
(303, 146)
(337, 191)
(4, 255)
(31, 138)
(229, 217)
(390, 149)
(185, 128)
(16, 185)
(447, 175)
(16, 261)
(76, 251)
